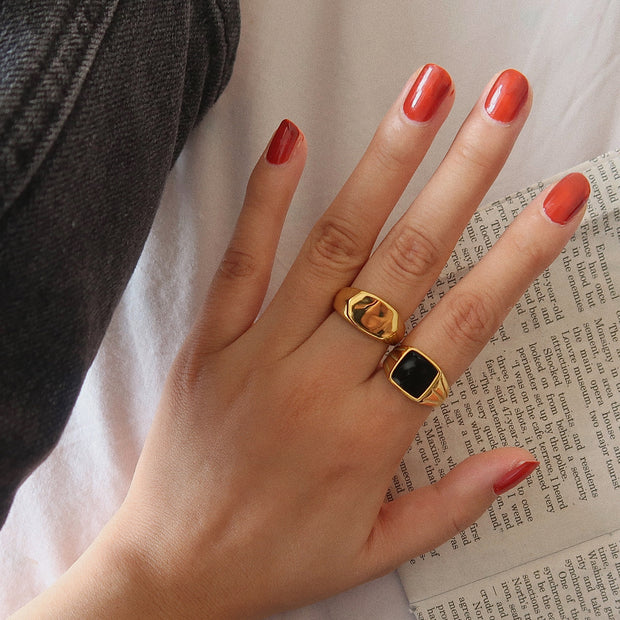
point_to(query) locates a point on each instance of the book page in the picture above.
(581, 582)
(548, 381)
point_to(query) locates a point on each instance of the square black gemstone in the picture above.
(414, 373)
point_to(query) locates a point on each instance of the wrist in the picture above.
(108, 580)
(136, 570)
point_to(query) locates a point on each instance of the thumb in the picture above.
(428, 516)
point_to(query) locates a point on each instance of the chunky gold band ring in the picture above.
(370, 314)
(416, 376)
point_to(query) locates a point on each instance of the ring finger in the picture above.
(457, 329)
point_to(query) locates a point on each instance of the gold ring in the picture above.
(370, 314)
(416, 376)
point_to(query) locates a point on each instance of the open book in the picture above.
(548, 381)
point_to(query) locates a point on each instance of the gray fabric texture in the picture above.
(97, 98)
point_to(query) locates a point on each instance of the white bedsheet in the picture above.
(333, 68)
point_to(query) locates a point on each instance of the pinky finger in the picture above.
(431, 515)
(239, 286)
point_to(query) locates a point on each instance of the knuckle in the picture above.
(473, 155)
(470, 318)
(334, 244)
(186, 375)
(389, 157)
(411, 254)
(238, 264)
(457, 523)
(533, 255)
(454, 520)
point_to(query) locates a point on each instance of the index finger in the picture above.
(342, 239)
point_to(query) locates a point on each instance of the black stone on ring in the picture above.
(416, 376)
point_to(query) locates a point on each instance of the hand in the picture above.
(262, 483)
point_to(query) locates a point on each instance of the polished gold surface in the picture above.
(370, 314)
(437, 390)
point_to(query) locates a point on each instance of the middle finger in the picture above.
(410, 258)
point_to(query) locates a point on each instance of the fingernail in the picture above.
(507, 96)
(430, 88)
(514, 476)
(566, 198)
(282, 143)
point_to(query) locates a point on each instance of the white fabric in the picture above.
(334, 68)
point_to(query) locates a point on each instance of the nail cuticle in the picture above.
(565, 223)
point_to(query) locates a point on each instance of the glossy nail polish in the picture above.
(507, 96)
(430, 88)
(516, 475)
(282, 143)
(566, 198)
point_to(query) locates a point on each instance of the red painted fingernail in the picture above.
(514, 476)
(507, 96)
(430, 88)
(566, 198)
(282, 143)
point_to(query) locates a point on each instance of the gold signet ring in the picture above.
(416, 376)
(370, 314)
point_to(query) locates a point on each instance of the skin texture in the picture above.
(262, 482)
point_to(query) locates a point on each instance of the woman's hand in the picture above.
(262, 483)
